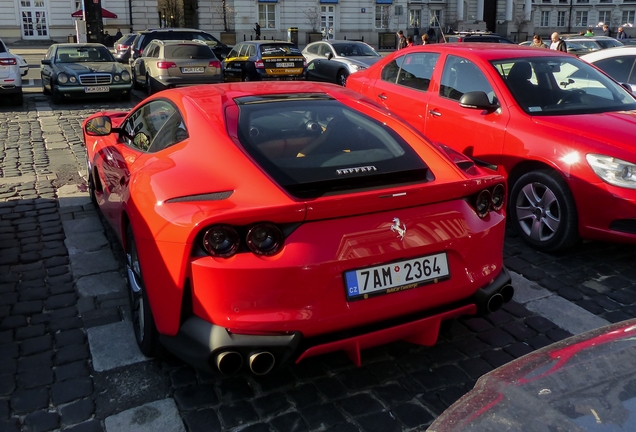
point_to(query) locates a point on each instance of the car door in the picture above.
(141, 66)
(404, 86)
(321, 63)
(475, 132)
(46, 70)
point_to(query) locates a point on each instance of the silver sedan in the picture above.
(334, 60)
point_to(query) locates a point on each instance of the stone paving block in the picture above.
(274, 404)
(100, 284)
(77, 411)
(109, 352)
(24, 401)
(161, 415)
(80, 227)
(330, 388)
(237, 414)
(42, 421)
(72, 370)
(412, 415)
(85, 242)
(289, 422)
(359, 404)
(204, 420)
(566, 315)
(91, 263)
(234, 389)
(71, 390)
(391, 394)
(200, 396)
(70, 196)
(385, 370)
(377, 422)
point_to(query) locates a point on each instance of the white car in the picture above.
(334, 60)
(617, 63)
(10, 76)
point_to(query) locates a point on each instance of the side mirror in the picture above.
(329, 55)
(628, 87)
(46, 62)
(99, 126)
(477, 100)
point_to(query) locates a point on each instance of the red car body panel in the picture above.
(301, 288)
(511, 138)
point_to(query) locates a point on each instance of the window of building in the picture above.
(628, 17)
(415, 17)
(267, 15)
(382, 16)
(436, 18)
(561, 19)
(605, 17)
(545, 19)
(581, 19)
(582, 1)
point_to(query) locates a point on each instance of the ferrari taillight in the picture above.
(223, 241)
(264, 239)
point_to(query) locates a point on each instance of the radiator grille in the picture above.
(95, 79)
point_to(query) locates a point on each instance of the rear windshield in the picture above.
(188, 52)
(179, 35)
(270, 50)
(316, 146)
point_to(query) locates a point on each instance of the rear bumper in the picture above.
(10, 89)
(169, 81)
(203, 344)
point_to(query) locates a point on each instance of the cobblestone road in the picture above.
(62, 301)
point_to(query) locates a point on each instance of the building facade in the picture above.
(370, 20)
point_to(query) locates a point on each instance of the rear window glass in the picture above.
(188, 52)
(316, 146)
(278, 50)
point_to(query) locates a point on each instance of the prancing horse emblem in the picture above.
(399, 230)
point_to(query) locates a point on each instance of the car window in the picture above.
(619, 68)
(320, 146)
(150, 50)
(185, 51)
(608, 43)
(460, 76)
(278, 49)
(245, 49)
(75, 54)
(324, 49)
(417, 69)
(173, 131)
(235, 51)
(561, 86)
(392, 69)
(313, 49)
(143, 125)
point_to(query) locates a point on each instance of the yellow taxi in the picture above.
(264, 60)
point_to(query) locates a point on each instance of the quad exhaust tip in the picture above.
(262, 362)
(229, 362)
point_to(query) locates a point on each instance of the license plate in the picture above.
(192, 70)
(101, 89)
(289, 64)
(397, 276)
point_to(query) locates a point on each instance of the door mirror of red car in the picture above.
(99, 126)
(477, 100)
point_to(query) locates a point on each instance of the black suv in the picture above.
(122, 47)
(144, 37)
(477, 37)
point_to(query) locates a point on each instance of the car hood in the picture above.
(82, 68)
(361, 60)
(583, 383)
(603, 130)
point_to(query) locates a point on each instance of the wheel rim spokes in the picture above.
(538, 212)
(134, 278)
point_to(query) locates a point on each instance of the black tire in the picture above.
(44, 90)
(142, 319)
(542, 211)
(17, 99)
(91, 187)
(341, 77)
(136, 85)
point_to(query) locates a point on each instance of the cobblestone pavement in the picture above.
(67, 360)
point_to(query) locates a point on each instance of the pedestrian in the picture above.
(401, 40)
(537, 42)
(118, 35)
(558, 43)
(257, 30)
(621, 34)
(431, 34)
(606, 31)
(589, 33)
(409, 41)
(424, 39)
(108, 39)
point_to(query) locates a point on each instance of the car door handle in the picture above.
(382, 96)
(435, 113)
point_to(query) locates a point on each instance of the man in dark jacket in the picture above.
(401, 40)
(558, 43)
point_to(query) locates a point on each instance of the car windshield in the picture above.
(589, 44)
(83, 54)
(269, 50)
(609, 43)
(186, 51)
(562, 86)
(314, 145)
(354, 50)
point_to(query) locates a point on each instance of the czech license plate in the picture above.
(397, 276)
(285, 64)
(186, 70)
(100, 89)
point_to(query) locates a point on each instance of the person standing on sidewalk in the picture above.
(401, 40)
(558, 43)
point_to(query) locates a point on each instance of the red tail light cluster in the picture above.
(223, 241)
(258, 64)
(490, 199)
(8, 62)
(215, 63)
(121, 47)
(166, 65)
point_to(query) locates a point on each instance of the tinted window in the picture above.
(84, 54)
(350, 49)
(317, 146)
(417, 70)
(461, 76)
(188, 52)
(618, 68)
(270, 50)
(154, 126)
(392, 69)
(609, 43)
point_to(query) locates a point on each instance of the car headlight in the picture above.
(116, 78)
(72, 79)
(62, 78)
(125, 76)
(356, 68)
(614, 171)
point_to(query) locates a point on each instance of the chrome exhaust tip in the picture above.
(261, 362)
(229, 362)
(494, 303)
(507, 292)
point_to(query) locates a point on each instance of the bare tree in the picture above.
(228, 14)
(171, 12)
(313, 17)
(520, 21)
